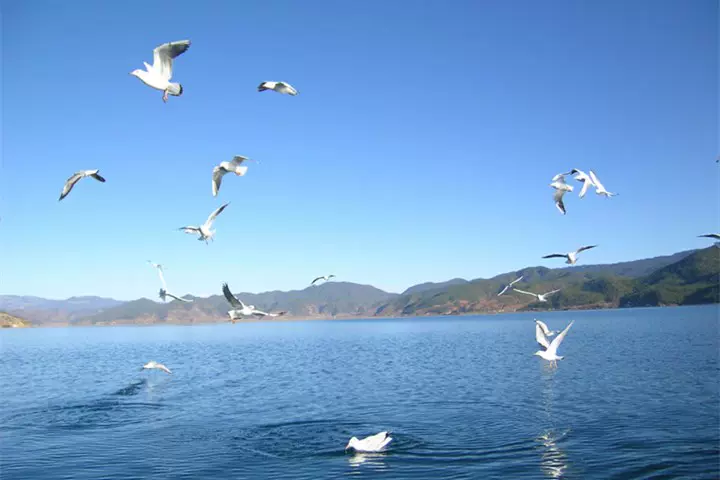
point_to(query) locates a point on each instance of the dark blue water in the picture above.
(636, 396)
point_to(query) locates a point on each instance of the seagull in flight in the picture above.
(156, 365)
(599, 188)
(160, 273)
(158, 74)
(542, 297)
(715, 236)
(70, 182)
(570, 256)
(584, 178)
(164, 293)
(280, 87)
(545, 330)
(550, 352)
(239, 308)
(561, 188)
(510, 285)
(233, 166)
(203, 230)
(373, 443)
(325, 278)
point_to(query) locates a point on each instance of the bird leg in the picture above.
(165, 95)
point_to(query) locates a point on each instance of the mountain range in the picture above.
(688, 277)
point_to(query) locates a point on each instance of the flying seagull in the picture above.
(164, 293)
(550, 352)
(70, 182)
(203, 231)
(715, 236)
(571, 256)
(542, 297)
(156, 365)
(373, 443)
(561, 188)
(540, 324)
(510, 285)
(239, 308)
(599, 188)
(227, 167)
(584, 178)
(160, 273)
(280, 87)
(158, 74)
(326, 278)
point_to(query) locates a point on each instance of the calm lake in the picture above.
(636, 396)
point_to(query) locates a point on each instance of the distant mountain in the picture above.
(422, 287)
(43, 310)
(11, 321)
(634, 268)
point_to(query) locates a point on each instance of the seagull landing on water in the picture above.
(158, 74)
(156, 365)
(542, 297)
(164, 294)
(505, 288)
(584, 178)
(203, 230)
(70, 182)
(373, 443)
(233, 166)
(599, 188)
(280, 87)
(561, 188)
(550, 352)
(325, 278)
(570, 256)
(545, 330)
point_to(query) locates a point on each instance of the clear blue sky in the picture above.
(420, 148)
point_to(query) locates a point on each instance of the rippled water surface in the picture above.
(636, 396)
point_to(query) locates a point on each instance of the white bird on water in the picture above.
(373, 443)
(240, 309)
(158, 74)
(164, 294)
(542, 297)
(544, 328)
(510, 285)
(159, 366)
(280, 87)
(233, 166)
(561, 188)
(70, 182)
(203, 230)
(599, 188)
(550, 352)
(160, 273)
(570, 256)
(584, 178)
(325, 277)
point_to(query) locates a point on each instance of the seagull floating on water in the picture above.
(203, 230)
(561, 188)
(510, 285)
(280, 87)
(233, 166)
(584, 178)
(164, 293)
(544, 328)
(373, 443)
(550, 352)
(325, 277)
(70, 182)
(240, 309)
(571, 256)
(542, 297)
(158, 74)
(599, 188)
(156, 365)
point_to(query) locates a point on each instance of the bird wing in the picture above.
(218, 173)
(586, 184)
(552, 349)
(540, 337)
(177, 298)
(189, 229)
(517, 280)
(70, 183)
(318, 278)
(238, 159)
(560, 177)
(163, 368)
(260, 313)
(555, 255)
(595, 180)
(558, 197)
(375, 442)
(330, 276)
(97, 177)
(551, 292)
(544, 326)
(160, 273)
(164, 54)
(711, 235)
(504, 290)
(231, 298)
(582, 249)
(214, 215)
(526, 293)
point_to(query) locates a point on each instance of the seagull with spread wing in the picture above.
(155, 365)
(542, 297)
(561, 188)
(599, 188)
(240, 309)
(550, 352)
(158, 74)
(714, 236)
(233, 166)
(280, 87)
(204, 231)
(324, 277)
(570, 256)
(505, 288)
(70, 182)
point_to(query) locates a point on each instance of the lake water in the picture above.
(636, 396)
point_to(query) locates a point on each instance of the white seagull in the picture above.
(542, 297)
(373, 443)
(510, 285)
(571, 256)
(280, 87)
(550, 352)
(227, 167)
(164, 293)
(599, 188)
(156, 365)
(158, 74)
(584, 178)
(160, 273)
(561, 188)
(544, 328)
(239, 308)
(203, 230)
(325, 277)
(715, 236)
(70, 182)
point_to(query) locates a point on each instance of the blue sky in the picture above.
(420, 148)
